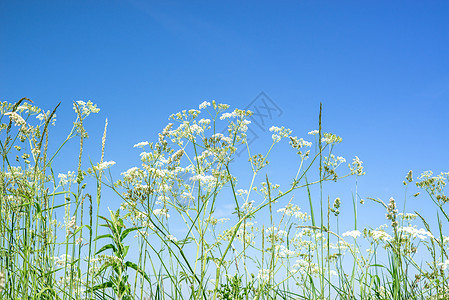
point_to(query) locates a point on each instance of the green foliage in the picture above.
(118, 280)
(233, 289)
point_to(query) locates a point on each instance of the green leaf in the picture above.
(127, 231)
(106, 247)
(103, 285)
(138, 270)
(125, 251)
(104, 236)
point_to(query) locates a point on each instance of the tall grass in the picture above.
(168, 240)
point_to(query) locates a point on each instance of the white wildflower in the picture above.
(195, 129)
(284, 252)
(104, 165)
(264, 274)
(443, 266)
(241, 192)
(279, 133)
(330, 138)
(85, 108)
(62, 260)
(204, 122)
(161, 212)
(353, 233)
(140, 145)
(204, 179)
(356, 167)
(131, 173)
(204, 105)
(247, 205)
(16, 119)
(380, 235)
(228, 115)
(416, 233)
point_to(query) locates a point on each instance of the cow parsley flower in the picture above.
(416, 233)
(104, 165)
(353, 233)
(161, 212)
(443, 266)
(264, 274)
(380, 235)
(140, 145)
(279, 133)
(330, 138)
(204, 105)
(228, 115)
(85, 108)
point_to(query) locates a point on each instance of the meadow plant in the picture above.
(277, 242)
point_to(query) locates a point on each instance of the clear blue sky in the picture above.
(380, 68)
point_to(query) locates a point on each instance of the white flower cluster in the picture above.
(17, 120)
(380, 235)
(214, 221)
(228, 115)
(356, 167)
(443, 265)
(204, 122)
(237, 113)
(353, 233)
(241, 192)
(109, 259)
(71, 226)
(245, 233)
(104, 165)
(421, 233)
(293, 210)
(61, 261)
(284, 252)
(340, 245)
(270, 231)
(140, 145)
(264, 274)
(305, 267)
(407, 216)
(161, 212)
(204, 105)
(330, 138)
(279, 133)
(333, 161)
(207, 181)
(247, 205)
(44, 115)
(66, 178)
(85, 108)
(219, 137)
(131, 173)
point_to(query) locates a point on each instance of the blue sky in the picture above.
(380, 68)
